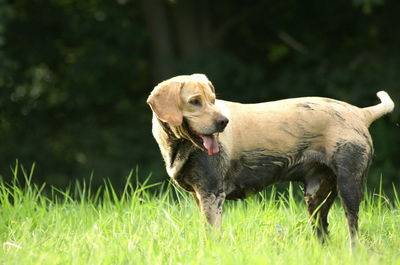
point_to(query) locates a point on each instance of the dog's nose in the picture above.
(221, 123)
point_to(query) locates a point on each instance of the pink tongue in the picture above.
(210, 143)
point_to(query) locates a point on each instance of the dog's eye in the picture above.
(195, 102)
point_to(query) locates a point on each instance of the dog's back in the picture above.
(281, 125)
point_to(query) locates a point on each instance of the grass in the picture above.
(84, 227)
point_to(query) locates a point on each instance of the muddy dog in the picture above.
(220, 150)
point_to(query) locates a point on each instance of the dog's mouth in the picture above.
(210, 143)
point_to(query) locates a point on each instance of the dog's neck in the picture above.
(179, 133)
(170, 133)
(175, 146)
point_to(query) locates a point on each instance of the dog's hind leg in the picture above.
(350, 191)
(352, 162)
(319, 194)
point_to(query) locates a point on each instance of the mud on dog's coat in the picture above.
(221, 150)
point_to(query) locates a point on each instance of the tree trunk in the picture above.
(163, 56)
(188, 34)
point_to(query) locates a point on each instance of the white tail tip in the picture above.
(386, 100)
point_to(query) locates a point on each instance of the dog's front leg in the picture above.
(210, 204)
(204, 174)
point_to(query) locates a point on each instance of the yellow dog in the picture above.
(221, 150)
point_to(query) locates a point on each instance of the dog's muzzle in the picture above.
(210, 141)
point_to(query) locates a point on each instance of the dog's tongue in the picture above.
(210, 143)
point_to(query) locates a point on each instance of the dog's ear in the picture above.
(164, 100)
(211, 86)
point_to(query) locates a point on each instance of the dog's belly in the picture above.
(252, 172)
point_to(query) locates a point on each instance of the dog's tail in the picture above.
(375, 112)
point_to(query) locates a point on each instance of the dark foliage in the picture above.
(75, 75)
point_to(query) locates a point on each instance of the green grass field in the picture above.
(137, 227)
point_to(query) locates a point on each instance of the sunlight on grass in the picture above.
(138, 227)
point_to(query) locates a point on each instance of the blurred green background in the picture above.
(75, 75)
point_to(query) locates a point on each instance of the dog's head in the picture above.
(187, 103)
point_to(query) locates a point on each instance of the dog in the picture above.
(219, 150)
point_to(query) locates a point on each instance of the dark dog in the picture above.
(221, 150)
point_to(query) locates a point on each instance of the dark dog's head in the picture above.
(188, 103)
